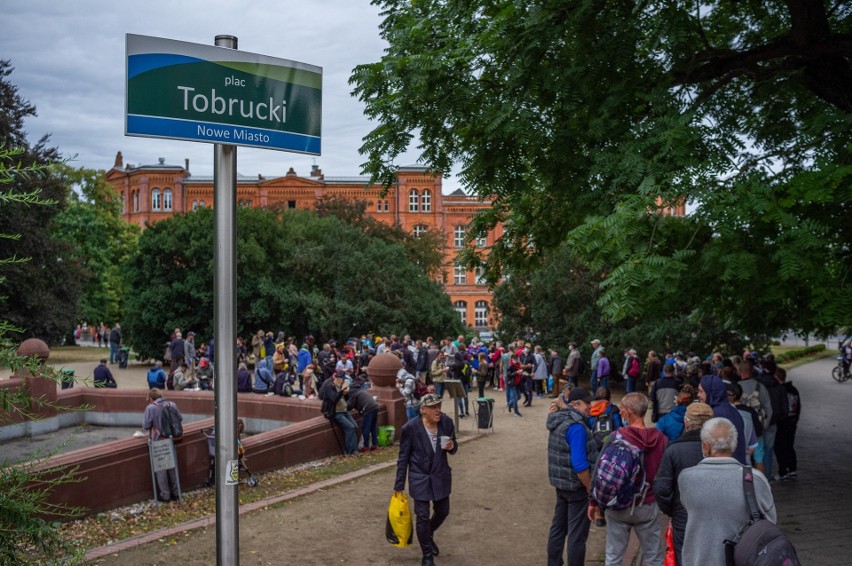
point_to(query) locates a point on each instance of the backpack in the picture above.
(759, 542)
(792, 403)
(419, 389)
(282, 385)
(172, 419)
(753, 401)
(619, 480)
(633, 370)
(604, 426)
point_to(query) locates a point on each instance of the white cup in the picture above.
(445, 441)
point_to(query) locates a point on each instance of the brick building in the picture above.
(150, 193)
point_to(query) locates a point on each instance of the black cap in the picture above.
(579, 394)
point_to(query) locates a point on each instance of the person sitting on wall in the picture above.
(156, 376)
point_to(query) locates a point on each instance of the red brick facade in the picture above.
(153, 192)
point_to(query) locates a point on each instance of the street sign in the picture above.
(188, 91)
(162, 455)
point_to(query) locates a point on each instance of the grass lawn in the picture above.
(70, 354)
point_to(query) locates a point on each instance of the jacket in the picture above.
(572, 368)
(717, 397)
(430, 477)
(683, 453)
(156, 378)
(663, 397)
(560, 471)
(263, 380)
(671, 424)
(652, 443)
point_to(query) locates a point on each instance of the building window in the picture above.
(135, 201)
(123, 203)
(419, 230)
(195, 205)
(155, 199)
(413, 200)
(387, 205)
(461, 308)
(481, 242)
(167, 199)
(291, 204)
(459, 275)
(480, 314)
(458, 236)
(202, 204)
(426, 200)
(480, 276)
(245, 202)
(378, 206)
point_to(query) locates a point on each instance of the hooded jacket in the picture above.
(717, 397)
(263, 379)
(683, 453)
(652, 443)
(671, 424)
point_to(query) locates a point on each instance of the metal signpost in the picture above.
(216, 94)
(163, 458)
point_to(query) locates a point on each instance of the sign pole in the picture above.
(225, 318)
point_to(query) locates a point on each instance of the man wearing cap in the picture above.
(334, 394)
(683, 453)
(571, 452)
(596, 357)
(423, 449)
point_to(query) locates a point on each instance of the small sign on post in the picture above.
(163, 459)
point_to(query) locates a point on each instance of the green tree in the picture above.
(100, 239)
(582, 120)
(41, 293)
(558, 302)
(300, 273)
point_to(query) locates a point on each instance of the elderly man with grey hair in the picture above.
(712, 494)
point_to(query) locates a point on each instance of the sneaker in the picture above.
(373, 448)
(363, 449)
(270, 394)
(792, 474)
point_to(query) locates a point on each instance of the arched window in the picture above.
(202, 204)
(387, 205)
(155, 199)
(378, 206)
(458, 236)
(167, 199)
(480, 313)
(461, 308)
(135, 201)
(426, 200)
(413, 200)
(419, 230)
(123, 202)
(194, 205)
(459, 275)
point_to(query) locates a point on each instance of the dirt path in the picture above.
(500, 513)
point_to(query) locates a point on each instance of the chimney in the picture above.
(291, 172)
(119, 161)
(316, 171)
(186, 164)
(162, 160)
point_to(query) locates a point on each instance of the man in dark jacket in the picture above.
(178, 350)
(664, 393)
(556, 367)
(103, 377)
(571, 453)
(683, 453)
(361, 400)
(114, 343)
(712, 391)
(423, 449)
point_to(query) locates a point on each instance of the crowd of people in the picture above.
(694, 423)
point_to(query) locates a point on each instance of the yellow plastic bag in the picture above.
(399, 528)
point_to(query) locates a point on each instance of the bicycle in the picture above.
(840, 373)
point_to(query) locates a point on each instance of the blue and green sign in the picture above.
(187, 91)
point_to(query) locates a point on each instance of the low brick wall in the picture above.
(118, 473)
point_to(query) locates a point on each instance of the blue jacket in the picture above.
(263, 380)
(304, 359)
(717, 397)
(671, 424)
(156, 378)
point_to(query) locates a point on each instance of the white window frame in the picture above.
(426, 201)
(458, 236)
(167, 199)
(195, 205)
(419, 230)
(387, 206)
(202, 204)
(413, 201)
(481, 242)
(479, 276)
(459, 275)
(135, 201)
(461, 308)
(155, 199)
(480, 313)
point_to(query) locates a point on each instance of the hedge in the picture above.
(799, 353)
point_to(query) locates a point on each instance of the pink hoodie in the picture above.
(653, 443)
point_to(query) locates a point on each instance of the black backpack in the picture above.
(172, 422)
(604, 426)
(759, 542)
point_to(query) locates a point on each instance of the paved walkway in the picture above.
(502, 503)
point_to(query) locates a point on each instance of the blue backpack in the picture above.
(619, 480)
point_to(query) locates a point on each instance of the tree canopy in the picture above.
(41, 293)
(99, 238)
(584, 120)
(298, 272)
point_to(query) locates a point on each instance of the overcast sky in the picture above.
(69, 60)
